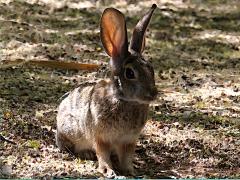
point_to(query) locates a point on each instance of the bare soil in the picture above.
(193, 127)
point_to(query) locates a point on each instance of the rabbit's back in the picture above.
(73, 118)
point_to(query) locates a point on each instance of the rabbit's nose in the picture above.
(154, 92)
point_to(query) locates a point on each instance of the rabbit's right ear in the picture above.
(114, 34)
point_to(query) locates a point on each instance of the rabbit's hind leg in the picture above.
(84, 150)
(87, 155)
(64, 144)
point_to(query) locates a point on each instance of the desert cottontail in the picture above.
(107, 117)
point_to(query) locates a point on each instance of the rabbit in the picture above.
(106, 117)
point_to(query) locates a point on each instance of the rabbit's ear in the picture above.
(137, 43)
(113, 33)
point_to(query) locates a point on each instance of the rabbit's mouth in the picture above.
(138, 97)
(151, 95)
(142, 100)
(149, 98)
(146, 100)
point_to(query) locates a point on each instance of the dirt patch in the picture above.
(193, 127)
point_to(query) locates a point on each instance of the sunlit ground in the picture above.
(193, 127)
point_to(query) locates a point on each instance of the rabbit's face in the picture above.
(133, 76)
(137, 80)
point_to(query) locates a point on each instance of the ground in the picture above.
(193, 126)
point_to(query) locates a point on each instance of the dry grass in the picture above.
(193, 127)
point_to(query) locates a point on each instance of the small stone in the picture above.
(6, 169)
(120, 177)
(176, 124)
(187, 114)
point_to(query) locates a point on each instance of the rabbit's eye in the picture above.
(129, 73)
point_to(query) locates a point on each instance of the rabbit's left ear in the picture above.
(113, 33)
(137, 43)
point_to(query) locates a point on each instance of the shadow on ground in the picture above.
(191, 45)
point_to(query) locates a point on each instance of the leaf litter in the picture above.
(193, 127)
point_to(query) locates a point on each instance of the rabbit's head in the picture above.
(132, 75)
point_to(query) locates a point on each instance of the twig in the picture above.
(2, 138)
(50, 63)
(16, 22)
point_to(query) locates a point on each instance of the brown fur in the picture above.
(106, 117)
(108, 127)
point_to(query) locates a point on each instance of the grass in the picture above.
(193, 127)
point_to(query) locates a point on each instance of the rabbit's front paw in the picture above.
(128, 170)
(107, 172)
